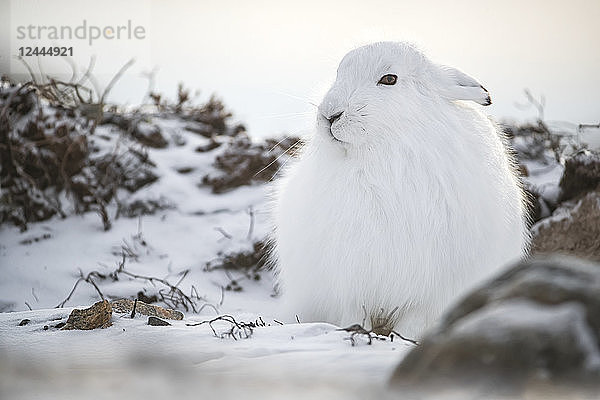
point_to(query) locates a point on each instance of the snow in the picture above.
(544, 178)
(39, 268)
(289, 360)
(280, 348)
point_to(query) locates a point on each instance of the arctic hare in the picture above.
(404, 197)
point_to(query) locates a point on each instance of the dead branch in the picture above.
(403, 338)
(370, 334)
(223, 232)
(88, 279)
(250, 212)
(237, 330)
(171, 295)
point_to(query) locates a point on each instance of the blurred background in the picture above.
(269, 60)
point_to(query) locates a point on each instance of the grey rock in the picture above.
(126, 306)
(535, 325)
(154, 321)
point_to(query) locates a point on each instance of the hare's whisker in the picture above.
(276, 158)
(295, 152)
(285, 115)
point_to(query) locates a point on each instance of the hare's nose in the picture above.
(334, 117)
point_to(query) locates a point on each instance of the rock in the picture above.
(581, 175)
(536, 325)
(573, 229)
(154, 321)
(97, 316)
(149, 135)
(126, 306)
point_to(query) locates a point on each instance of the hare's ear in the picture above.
(457, 85)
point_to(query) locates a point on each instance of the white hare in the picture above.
(403, 198)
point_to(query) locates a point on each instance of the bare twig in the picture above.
(89, 279)
(171, 295)
(403, 338)
(34, 295)
(582, 127)
(379, 324)
(250, 212)
(223, 232)
(237, 330)
(357, 329)
(134, 308)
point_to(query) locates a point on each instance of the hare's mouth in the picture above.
(334, 138)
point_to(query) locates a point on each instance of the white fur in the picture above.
(416, 200)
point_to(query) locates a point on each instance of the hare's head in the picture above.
(383, 88)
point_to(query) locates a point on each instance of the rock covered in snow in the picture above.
(536, 325)
(582, 175)
(573, 229)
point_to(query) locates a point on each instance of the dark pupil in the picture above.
(389, 79)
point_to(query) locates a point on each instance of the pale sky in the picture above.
(269, 60)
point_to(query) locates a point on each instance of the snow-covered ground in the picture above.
(39, 269)
(40, 266)
(292, 360)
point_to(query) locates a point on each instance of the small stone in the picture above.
(24, 322)
(154, 321)
(97, 316)
(124, 306)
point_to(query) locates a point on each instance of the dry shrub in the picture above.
(246, 163)
(45, 152)
(209, 119)
(249, 263)
(138, 127)
(214, 114)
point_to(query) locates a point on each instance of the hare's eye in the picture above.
(388, 79)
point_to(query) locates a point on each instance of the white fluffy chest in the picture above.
(330, 215)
